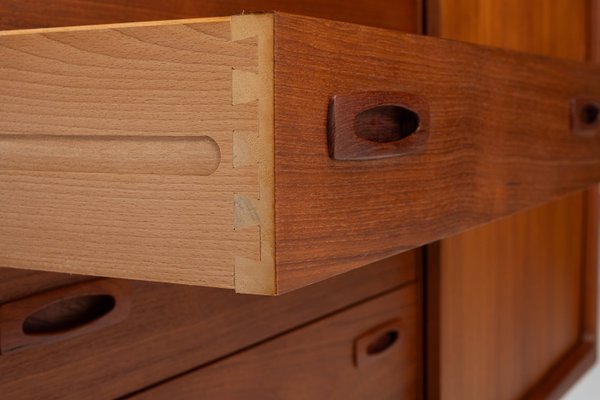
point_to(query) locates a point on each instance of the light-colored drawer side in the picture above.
(140, 151)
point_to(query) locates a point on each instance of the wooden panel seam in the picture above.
(256, 276)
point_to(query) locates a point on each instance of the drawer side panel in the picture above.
(120, 149)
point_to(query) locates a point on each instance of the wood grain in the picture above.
(250, 275)
(158, 155)
(117, 146)
(512, 309)
(172, 329)
(246, 226)
(499, 142)
(372, 125)
(18, 283)
(555, 28)
(510, 300)
(285, 368)
(74, 317)
(14, 14)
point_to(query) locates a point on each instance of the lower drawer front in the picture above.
(369, 351)
(168, 329)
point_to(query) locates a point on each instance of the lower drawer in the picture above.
(371, 351)
(168, 329)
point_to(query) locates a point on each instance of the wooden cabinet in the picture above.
(519, 293)
(281, 153)
(171, 329)
(214, 151)
(372, 350)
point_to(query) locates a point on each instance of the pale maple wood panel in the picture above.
(156, 155)
(316, 362)
(516, 298)
(117, 147)
(499, 142)
(172, 329)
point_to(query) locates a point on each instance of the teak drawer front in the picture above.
(171, 329)
(267, 152)
(325, 360)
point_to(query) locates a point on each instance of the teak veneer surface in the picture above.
(404, 15)
(499, 142)
(252, 93)
(514, 302)
(316, 362)
(172, 329)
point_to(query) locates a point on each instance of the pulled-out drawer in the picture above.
(108, 338)
(372, 351)
(267, 152)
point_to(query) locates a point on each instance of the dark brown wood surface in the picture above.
(58, 315)
(316, 362)
(499, 142)
(512, 305)
(372, 125)
(172, 329)
(15, 14)
(19, 283)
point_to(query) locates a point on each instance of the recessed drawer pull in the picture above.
(371, 125)
(585, 116)
(63, 313)
(377, 343)
(383, 342)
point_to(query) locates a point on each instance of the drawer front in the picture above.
(137, 224)
(497, 132)
(19, 283)
(370, 351)
(264, 153)
(167, 330)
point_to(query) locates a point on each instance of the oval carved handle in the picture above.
(372, 125)
(377, 343)
(62, 313)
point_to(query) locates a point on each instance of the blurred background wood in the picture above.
(515, 299)
(403, 15)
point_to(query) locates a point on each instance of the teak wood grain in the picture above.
(404, 15)
(58, 315)
(252, 92)
(509, 299)
(512, 305)
(316, 362)
(172, 329)
(499, 142)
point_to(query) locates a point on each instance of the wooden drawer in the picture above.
(199, 152)
(169, 329)
(370, 351)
